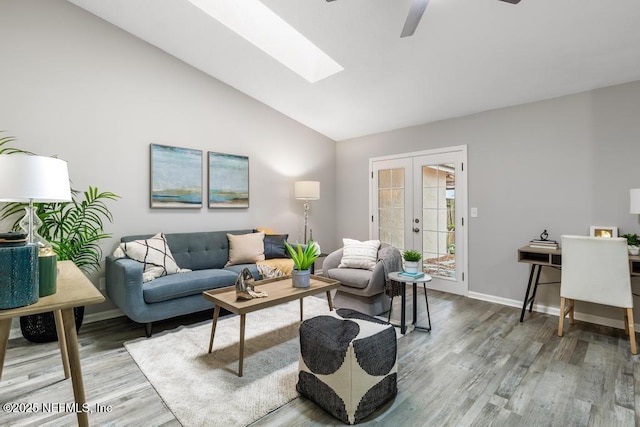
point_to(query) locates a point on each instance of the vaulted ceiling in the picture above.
(466, 56)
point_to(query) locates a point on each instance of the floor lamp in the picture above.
(27, 178)
(307, 190)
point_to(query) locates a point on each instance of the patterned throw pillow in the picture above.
(357, 254)
(154, 253)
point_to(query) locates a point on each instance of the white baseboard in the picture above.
(102, 315)
(554, 311)
(539, 308)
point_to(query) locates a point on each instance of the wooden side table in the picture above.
(73, 290)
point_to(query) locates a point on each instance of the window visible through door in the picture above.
(418, 202)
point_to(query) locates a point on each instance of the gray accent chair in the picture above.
(361, 290)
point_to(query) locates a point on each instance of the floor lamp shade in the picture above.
(307, 190)
(28, 178)
(634, 199)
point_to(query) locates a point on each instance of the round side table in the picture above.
(407, 280)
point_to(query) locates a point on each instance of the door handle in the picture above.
(416, 230)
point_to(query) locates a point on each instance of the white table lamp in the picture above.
(307, 190)
(28, 178)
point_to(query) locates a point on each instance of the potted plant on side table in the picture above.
(411, 260)
(303, 260)
(633, 243)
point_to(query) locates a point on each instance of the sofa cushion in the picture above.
(357, 254)
(155, 255)
(245, 248)
(238, 268)
(274, 246)
(181, 285)
(352, 277)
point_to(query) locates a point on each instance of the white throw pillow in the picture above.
(154, 253)
(245, 248)
(357, 254)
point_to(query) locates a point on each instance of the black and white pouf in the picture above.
(348, 363)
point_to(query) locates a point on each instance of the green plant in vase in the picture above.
(411, 260)
(633, 243)
(302, 260)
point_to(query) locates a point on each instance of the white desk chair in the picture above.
(596, 270)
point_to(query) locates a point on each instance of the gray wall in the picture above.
(76, 86)
(561, 165)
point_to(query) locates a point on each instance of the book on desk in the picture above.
(543, 244)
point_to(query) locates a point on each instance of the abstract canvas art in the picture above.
(176, 177)
(228, 181)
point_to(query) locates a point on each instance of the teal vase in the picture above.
(19, 276)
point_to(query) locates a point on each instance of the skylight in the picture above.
(257, 24)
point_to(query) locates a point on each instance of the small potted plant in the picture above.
(411, 260)
(302, 260)
(633, 243)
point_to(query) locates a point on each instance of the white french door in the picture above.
(419, 201)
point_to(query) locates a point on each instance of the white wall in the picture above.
(96, 96)
(561, 165)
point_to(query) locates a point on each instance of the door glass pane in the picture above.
(438, 220)
(391, 206)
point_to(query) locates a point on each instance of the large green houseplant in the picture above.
(73, 228)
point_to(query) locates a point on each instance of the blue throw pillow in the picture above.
(274, 246)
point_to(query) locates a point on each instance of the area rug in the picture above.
(204, 389)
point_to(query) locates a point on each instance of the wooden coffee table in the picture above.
(279, 290)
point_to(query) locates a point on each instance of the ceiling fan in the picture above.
(415, 14)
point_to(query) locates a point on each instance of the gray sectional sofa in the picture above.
(205, 253)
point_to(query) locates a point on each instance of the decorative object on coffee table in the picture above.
(244, 286)
(348, 363)
(303, 260)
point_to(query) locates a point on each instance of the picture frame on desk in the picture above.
(603, 231)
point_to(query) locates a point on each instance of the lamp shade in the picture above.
(24, 177)
(634, 201)
(307, 190)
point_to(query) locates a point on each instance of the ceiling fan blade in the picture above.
(508, 1)
(413, 19)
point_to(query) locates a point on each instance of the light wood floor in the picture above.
(479, 366)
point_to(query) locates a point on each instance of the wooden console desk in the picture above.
(541, 257)
(73, 290)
